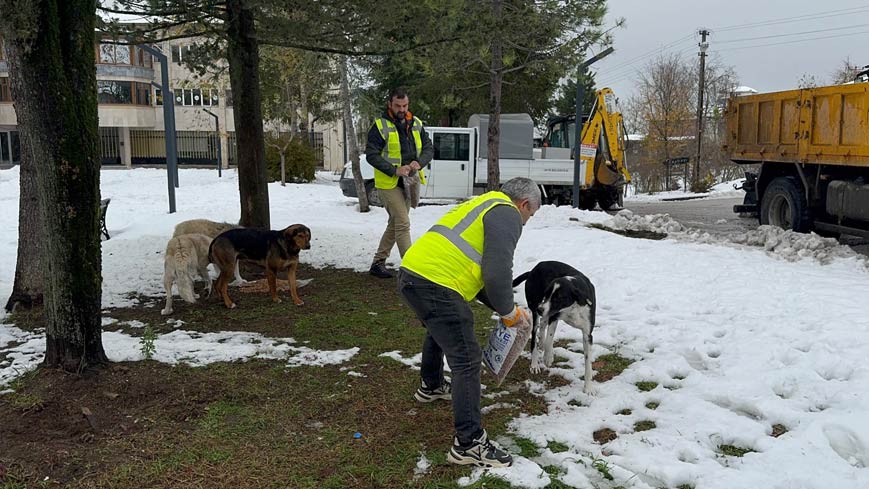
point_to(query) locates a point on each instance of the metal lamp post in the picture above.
(168, 121)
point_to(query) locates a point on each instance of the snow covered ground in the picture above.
(738, 336)
(718, 191)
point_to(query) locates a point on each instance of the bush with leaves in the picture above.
(300, 159)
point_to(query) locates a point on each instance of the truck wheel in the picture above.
(784, 205)
(373, 195)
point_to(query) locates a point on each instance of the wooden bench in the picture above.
(104, 206)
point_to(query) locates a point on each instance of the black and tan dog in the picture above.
(274, 250)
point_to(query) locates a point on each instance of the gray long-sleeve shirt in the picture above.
(502, 227)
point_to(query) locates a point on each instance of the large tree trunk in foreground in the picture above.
(27, 289)
(51, 54)
(247, 105)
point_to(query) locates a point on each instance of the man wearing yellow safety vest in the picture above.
(466, 255)
(397, 147)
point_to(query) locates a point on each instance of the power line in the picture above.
(728, 41)
(799, 18)
(794, 41)
(624, 68)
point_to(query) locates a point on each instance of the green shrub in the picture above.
(301, 161)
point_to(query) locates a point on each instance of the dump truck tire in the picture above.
(784, 205)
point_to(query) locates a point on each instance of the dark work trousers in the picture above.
(449, 326)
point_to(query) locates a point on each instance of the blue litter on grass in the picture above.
(357, 435)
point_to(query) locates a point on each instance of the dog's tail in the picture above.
(183, 275)
(521, 278)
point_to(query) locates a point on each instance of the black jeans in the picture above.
(449, 325)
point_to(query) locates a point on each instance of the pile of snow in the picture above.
(785, 244)
(626, 220)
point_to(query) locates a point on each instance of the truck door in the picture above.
(449, 175)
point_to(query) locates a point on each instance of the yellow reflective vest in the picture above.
(392, 150)
(451, 252)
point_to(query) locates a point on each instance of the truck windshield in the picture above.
(562, 135)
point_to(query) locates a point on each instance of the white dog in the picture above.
(186, 256)
(211, 229)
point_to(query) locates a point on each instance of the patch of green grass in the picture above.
(646, 386)
(554, 470)
(652, 405)
(575, 403)
(678, 377)
(603, 467)
(734, 451)
(685, 486)
(527, 448)
(609, 366)
(644, 425)
(624, 412)
(489, 481)
(557, 447)
(243, 423)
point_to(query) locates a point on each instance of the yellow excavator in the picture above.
(603, 164)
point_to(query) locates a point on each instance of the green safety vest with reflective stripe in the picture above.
(451, 252)
(392, 150)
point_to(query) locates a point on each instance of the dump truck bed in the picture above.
(824, 125)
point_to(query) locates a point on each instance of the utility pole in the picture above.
(703, 46)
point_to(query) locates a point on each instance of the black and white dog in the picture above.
(554, 291)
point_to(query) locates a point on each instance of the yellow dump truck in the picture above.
(812, 146)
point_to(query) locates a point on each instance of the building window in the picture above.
(122, 54)
(227, 98)
(143, 94)
(115, 92)
(123, 92)
(107, 53)
(196, 97)
(180, 53)
(5, 91)
(158, 96)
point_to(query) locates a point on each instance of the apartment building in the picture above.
(131, 112)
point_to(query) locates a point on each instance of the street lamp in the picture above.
(580, 95)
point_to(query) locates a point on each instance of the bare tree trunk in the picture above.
(283, 168)
(28, 288)
(243, 49)
(493, 179)
(353, 146)
(51, 55)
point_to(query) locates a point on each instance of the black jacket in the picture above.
(376, 143)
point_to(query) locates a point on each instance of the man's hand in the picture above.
(402, 171)
(519, 317)
(415, 165)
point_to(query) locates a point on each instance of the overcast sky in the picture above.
(827, 31)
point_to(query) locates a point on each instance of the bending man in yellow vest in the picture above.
(397, 147)
(468, 254)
